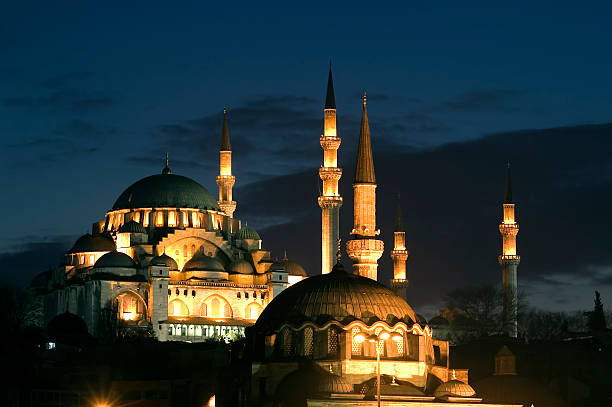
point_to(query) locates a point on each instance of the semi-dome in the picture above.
(115, 259)
(132, 227)
(338, 296)
(165, 261)
(454, 388)
(202, 262)
(166, 190)
(241, 266)
(247, 233)
(89, 243)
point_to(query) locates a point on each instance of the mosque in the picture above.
(170, 259)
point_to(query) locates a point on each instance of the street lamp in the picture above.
(384, 336)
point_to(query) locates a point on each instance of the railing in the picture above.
(218, 284)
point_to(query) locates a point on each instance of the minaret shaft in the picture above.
(364, 249)
(509, 261)
(225, 179)
(330, 200)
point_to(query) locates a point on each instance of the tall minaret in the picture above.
(509, 261)
(330, 200)
(364, 249)
(225, 179)
(399, 254)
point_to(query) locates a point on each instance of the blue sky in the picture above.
(93, 94)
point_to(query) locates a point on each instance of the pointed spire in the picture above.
(285, 258)
(330, 99)
(166, 169)
(508, 191)
(399, 222)
(364, 170)
(225, 138)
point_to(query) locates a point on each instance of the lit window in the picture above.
(171, 218)
(252, 311)
(159, 219)
(286, 342)
(356, 346)
(332, 341)
(184, 250)
(192, 250)
(203, 310)
(91, 259)
(215, 307)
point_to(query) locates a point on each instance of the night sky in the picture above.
(93, 95)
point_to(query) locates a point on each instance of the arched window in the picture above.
(356, 347)
(159, 219)
(332, 341)
(171, 218)
(308, 341)
(178, 308)
(184, 250)
(203, 310)
(215, 307)
(252, 311)
(130, 307)
(400, 345)
(192, 250)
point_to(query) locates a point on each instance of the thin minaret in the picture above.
(509, 261)
(225, 179)
(399, 254)
(364, 249)
(330, 200)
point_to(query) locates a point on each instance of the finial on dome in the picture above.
(339, 252)
(364, 98)
(167, 169)
(453, 375)
(285, 258)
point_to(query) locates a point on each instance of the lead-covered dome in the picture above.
(89, 243)
(165, 261)
(241, 266)
(166, 190)
(338, 296)
(115, 259)
(454, 388)
(202, 262)
(247, 233)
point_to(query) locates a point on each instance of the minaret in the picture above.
(399, 254)
(225, 179)
(330, 200)
(364, 249)
(509, 261)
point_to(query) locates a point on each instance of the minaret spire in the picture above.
(509, 261)
(399, 254)
(364, 249)
(330, 200)
(225, 179)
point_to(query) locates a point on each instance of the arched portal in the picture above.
(130, 306)
(216, 306)
(178, 308)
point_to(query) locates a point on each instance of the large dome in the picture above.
(166, 190)
(89, 243)
(338, 296)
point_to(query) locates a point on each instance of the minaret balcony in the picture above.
(399, 283)
(330, 173)
(399, 254)
(226, 180)
(330, 201)
(509, 259)
(330, 142)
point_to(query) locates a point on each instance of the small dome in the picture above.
(201, 262)
(241, 266)
(331, 383)
(290, 267)
(454, 388)
(96, 243)
(511, 389)
(165, 261)
(115, 259)
(247, 233)
(132, 227)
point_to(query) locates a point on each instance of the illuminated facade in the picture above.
(364, 249)
(509, 261)
(330, 200)
(170, 259)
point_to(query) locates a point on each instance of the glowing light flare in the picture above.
(211, 401)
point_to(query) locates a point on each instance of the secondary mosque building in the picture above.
(171, 259)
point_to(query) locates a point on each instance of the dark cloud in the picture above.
(20, 265)
(64, 100)
(451, 199)
(71, 138)
(480, 100)
(67, 78)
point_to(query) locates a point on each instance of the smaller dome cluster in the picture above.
(115, 259)
(201, 262)
(241, 266)
(165, 261)
(95, 243)
(247, 233)
(290, 267)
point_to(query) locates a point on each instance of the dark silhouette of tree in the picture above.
(476, 310)
(596, 319)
